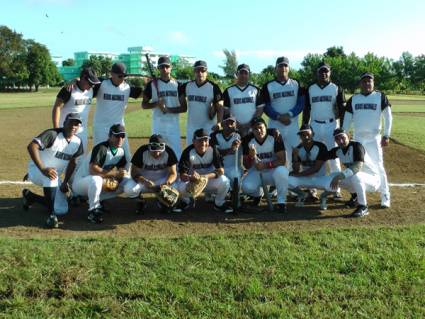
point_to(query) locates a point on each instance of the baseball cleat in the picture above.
(360, 211)
(95, 216)
(385, 201)
(52, 221)
(352, 202)
(223, 208)
(281, 208)
(300, 199)
(26, 203)
(337, 196)
(185, 204)
(256, 201)
(141, 206)
(323, 203)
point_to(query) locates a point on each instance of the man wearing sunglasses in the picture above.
(162, 96)
(76, 100)
(203, 99)
(153, 165)
(107, 159)
(201, 159)
(111, 101)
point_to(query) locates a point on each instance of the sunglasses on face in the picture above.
(164, 66)
(121, 76)
(156, 147)
(120, 135)
(200, 70)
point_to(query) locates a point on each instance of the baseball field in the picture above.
(205, 264)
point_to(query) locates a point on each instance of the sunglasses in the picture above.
(156, 147)
(120, 135)
(122, 76)
(164, 66)
(201, 70)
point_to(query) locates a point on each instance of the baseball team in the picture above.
(227, 139)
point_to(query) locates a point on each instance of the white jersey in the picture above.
(103, 156)
(191, 161)
(151, 167)
(308, 157)
(55, 150)
(111, 102)
(222, 144)
(199, 99)
(266, 151)
(367, 110)
(323, 103)
(282, 96)
(76, 101)
(242, 102)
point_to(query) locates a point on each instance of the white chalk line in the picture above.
(6, 182)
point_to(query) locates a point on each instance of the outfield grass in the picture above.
(364, 273)
(409, 130)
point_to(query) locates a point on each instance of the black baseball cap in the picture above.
(304, 128)
(73, 116)
(200, 64)
(257, 120)
(119, 68)
(156, 143)
(117, 129)
(282, 60)
(244, 66)
(339, 131)
(200, 134)
(323, 65)
(164, 60)
(367, 75)
(229, 117)
(90, 75)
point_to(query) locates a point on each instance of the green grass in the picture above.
(45, 97)
(409, 130)
(365, 273)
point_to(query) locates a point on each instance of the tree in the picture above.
(182, 69)
(230, 64)
(38, 62)
(68, 62)
(100, 64)
(334, 52)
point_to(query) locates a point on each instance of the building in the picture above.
(134, 59)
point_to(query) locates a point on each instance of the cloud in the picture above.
(178, 37)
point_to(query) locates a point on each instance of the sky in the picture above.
(259, 31)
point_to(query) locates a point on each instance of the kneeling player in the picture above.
(52, 152)
(201, 160)
(264, 156)
(153, 165)
(106, 161)
(356, 177)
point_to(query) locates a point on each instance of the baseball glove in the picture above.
(195, 188)
(110, 184)
(167, 196)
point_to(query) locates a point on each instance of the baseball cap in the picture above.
(156, 143)
(200, 64)
(117, 129)
(282, 60)
(257, 120)
(367, 75)
(304, 128)
(164, 60)
(229, 117)
(90, 75)
(339, 131)
(119, 68)
(200, 134)
(73, 116)
(323, 65)
(244, 66)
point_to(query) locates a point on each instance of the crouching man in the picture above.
(357, 178)
(53, 152)
(153, 165)
(202, 161)
(106, 162)
(264, 157)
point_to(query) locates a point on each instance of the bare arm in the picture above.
(56, 112)
(172, 174)
(34, 151)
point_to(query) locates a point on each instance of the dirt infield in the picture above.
(404, 165)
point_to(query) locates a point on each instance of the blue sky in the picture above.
(259, 31)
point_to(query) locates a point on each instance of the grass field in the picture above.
(363, 273)
(305, 266)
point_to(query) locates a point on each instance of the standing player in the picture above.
(264, 152)
(111, 101)
(357, 177)
(107, 159)
(243, 100)
(201, 159)
(284, 100)
(365, 111)
(203, 99)
(325, 102)
(154, 164)
(162, 96)
(53, 152)
(227, 141)
(78, 100)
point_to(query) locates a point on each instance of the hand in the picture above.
(235, 145)
(161, 105)
(50, 172)
(148, 183)
(211, 111)
(385, 141)
(216, 127)
(335, 181)
(195, 176)
(70, 86)
(276, 134)
(260, 166)
(285, 119)
(252, 151)
(64, 188)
